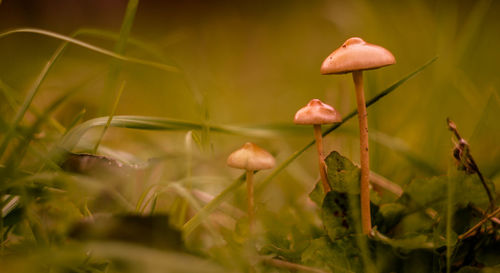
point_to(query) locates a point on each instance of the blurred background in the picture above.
(257, 63)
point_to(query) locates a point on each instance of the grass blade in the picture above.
(159, 123)
(29, 99)
(161, 66)
(18, 153)
(9, 92)
(109, 35)
(120, 91)
(131, 122)
(115, 67)
(198, 218)
(76, 120)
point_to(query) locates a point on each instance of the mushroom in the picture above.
(355, 55)
(250, 157)
(316, 113)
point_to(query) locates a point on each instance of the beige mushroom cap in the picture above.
(251, 157)
(317, 112)
(355, 54)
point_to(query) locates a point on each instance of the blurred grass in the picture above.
(115, 67)
(246, 68)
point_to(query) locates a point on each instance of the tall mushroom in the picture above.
(250, 157)
(355, 55)
(316, 113)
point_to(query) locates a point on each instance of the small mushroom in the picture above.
(355, 55)
(250, 157)
(316, 113)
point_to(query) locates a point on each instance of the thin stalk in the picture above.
(479, 210)
(364, 153)
(75, 120)
(161, 66)
(116, 67)
(153, 206)
(478, 225)
(190, 225)
(13, 103)
(115, 105)
(483, 182)
(321, 160)
(465, 157)
(28, 100)
(13, 161)
(250, 202)
(189, 167)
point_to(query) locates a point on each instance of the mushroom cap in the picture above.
(356, 54)
(317, 112)
(251, 157)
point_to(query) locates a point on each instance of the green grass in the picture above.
(195, 92)
(121, 43)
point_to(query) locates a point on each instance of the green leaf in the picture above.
(343, 175)
(318, 194)
(338, 256)
(340, 214)
(291, 236)
(431, 192)
(470, 189)
(428, 191)
(391, 215)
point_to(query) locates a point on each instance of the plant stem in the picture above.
(161, 66)
(478, 225)
(364, 154)
(110, 117)
(479, 210)
(469, 161)
(190, 225)
(250, 205)
(483, 182)
(115, 66)
(321, 160)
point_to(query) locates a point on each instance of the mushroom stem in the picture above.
(250, 204)
(322, 165)
(364, 154)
